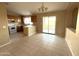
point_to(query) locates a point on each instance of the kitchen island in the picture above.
(29, 30)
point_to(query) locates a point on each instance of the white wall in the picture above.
(72, 38)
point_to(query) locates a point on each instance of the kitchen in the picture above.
(19, 24)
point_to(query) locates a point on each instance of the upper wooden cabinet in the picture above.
(34, 18)
(14, 18)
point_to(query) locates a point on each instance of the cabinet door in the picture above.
(33, 18)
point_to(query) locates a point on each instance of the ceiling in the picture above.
(29, 8)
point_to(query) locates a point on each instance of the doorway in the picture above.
(49, 24)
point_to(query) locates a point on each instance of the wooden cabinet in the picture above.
(33, 18)
(19, 28)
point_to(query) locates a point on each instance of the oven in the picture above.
(12, 28)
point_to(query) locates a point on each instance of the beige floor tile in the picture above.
(36, 45)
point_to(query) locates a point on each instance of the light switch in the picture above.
(4, 27)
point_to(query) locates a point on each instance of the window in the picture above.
(27, 20)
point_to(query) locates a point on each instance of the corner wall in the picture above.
(4, 34)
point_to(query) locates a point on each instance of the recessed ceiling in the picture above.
(28, 8)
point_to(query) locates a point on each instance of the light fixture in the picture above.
(43, 8)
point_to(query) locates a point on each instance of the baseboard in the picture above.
(70, 48)
(6, 43)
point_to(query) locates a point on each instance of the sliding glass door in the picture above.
(45, 24)
(49, 24)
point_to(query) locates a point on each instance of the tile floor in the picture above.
(36, 45)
